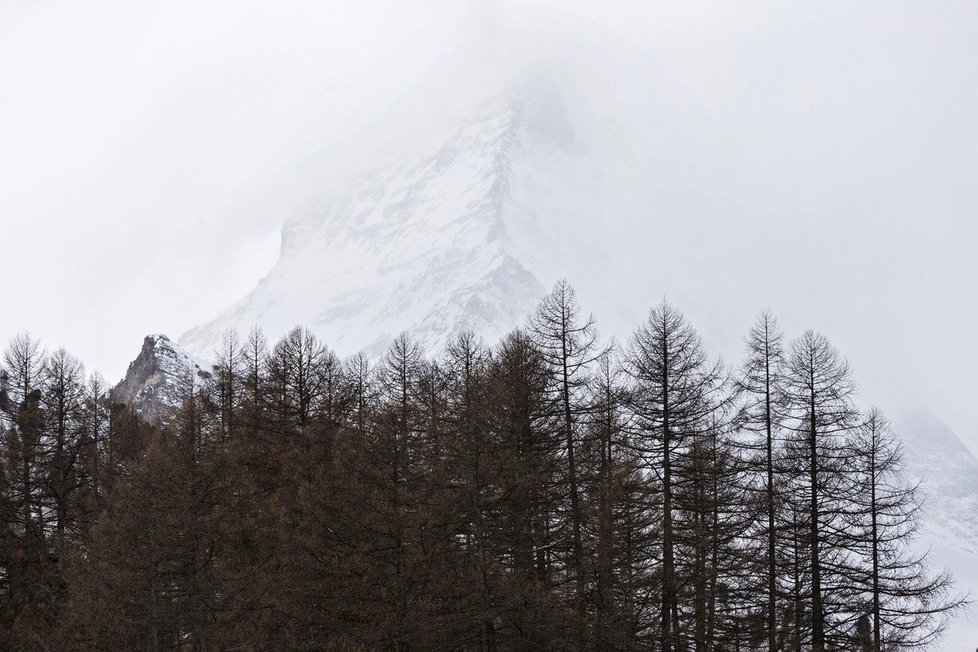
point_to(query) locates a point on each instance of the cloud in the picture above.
(151, 151)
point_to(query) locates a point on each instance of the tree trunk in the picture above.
(667, 553)
(772, 643)
(818, 626)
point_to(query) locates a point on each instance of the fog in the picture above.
(149, 153)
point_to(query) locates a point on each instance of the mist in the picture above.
(152, 152)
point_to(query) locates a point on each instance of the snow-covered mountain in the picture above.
(159, 379)
(564, 171)
(590, 172)
(948, 473)
(424, 245)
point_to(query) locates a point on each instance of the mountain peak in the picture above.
(423, 244)
(464, 230)
(159, 379)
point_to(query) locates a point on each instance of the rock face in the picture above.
(159, 379)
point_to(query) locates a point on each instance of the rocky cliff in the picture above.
(159, 379)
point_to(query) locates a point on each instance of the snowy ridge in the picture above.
(547, 178)
(419, 245)
(159, 379)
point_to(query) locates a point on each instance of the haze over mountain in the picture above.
(844, 136)
(948, 476)
(582, 157)
(557, 174)
(817, 161)
(596, 168)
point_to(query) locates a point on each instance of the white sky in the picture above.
(141, 143)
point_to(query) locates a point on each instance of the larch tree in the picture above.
(226, 388)
(567, 340)
(607, 401)
(675, 395)
(64, 403)
(525, 502)
(819, 393)
(29, 574)
(908, 606)
(760, 384)
(466, 364)
(627, 547)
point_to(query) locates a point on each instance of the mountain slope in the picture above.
(948, 474)
(558, 173)
(159, 379)
(423, 244)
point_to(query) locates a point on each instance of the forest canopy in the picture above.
(551, 491)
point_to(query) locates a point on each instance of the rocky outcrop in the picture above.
(159, 379)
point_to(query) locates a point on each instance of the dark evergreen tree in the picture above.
(819, 393)
(525, 466)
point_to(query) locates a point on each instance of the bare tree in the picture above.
(568, 343)
(819, 391)
(676, 392)
(64, 404)
(908, 606)
(760, 383)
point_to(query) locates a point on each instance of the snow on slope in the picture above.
(948, 473)
(420, 245)
(159, 379)
(556, 174)
(579, 170)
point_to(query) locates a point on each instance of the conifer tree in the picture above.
(626, 521)
(761, 386)
(30, 574)
(525, 465)
(907, 605)
(676, 392)
(819, 392)
(467, 363)
(64, 404)
(568, 344)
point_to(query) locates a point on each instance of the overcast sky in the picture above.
(142, 145)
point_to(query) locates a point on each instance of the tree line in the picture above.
(548, 492)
